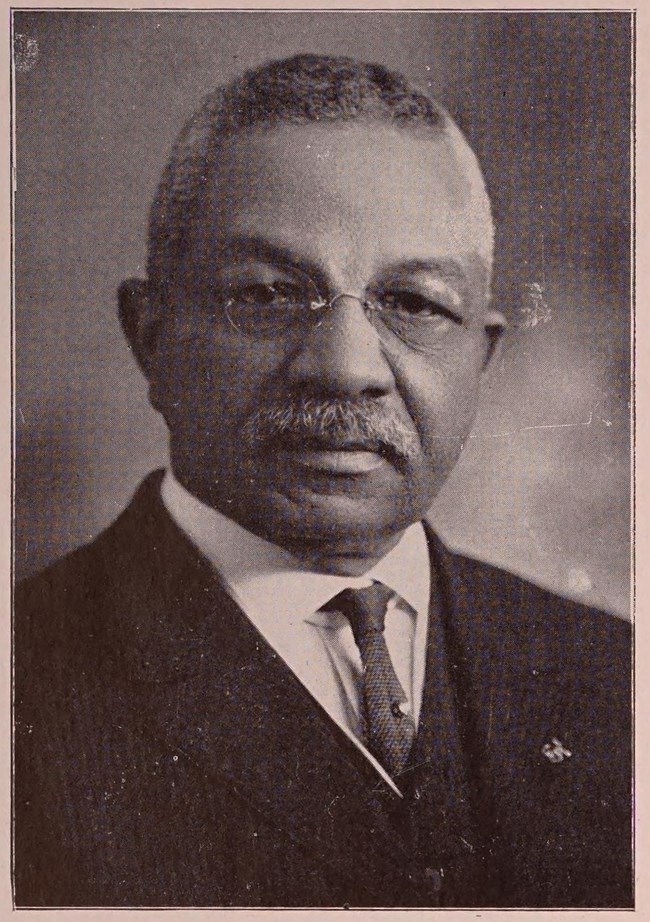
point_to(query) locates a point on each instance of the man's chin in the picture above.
(316, 523)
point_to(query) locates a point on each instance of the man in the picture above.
(268, 683)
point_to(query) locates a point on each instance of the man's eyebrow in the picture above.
(447, 268)
(260, 247)
(242, 245)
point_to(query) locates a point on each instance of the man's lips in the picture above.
(334, 456)
(341, 461)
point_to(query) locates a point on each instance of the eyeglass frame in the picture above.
(317, 304)
(494, 328)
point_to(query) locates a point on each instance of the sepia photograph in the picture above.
(322, 494)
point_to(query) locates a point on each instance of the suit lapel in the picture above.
(510, 687)
(531, 725)
(211, 690)
(438, 796)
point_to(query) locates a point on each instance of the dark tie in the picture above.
(389, 729)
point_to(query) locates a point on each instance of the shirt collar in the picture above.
(267, 580)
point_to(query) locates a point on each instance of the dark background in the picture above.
(544, 98)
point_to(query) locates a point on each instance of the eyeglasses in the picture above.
(290, 306)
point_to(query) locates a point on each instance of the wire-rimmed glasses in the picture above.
(275, 308)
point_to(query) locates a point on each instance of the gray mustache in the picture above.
(360, 421)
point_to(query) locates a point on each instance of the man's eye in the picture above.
(258, 295)
(409, 304)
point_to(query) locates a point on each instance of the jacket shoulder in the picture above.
(63, 601)
(506, 609)
(85, 574)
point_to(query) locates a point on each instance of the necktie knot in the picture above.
(365, 609)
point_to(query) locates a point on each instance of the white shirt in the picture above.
(282, 598)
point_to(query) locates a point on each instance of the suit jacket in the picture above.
(165, 755)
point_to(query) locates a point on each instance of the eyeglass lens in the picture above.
(290, 306)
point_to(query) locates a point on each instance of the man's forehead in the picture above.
(364, 182)
(349, 156)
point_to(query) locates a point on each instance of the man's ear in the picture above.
(140, 319)
(495, 327)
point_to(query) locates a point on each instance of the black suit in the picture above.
(166, 756)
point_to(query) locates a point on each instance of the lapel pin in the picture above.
(555, 751)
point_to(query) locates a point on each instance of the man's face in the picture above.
(362, 210)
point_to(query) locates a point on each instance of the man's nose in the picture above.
(343, 355)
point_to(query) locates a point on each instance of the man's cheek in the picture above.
(432, 390)
(444, 424)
